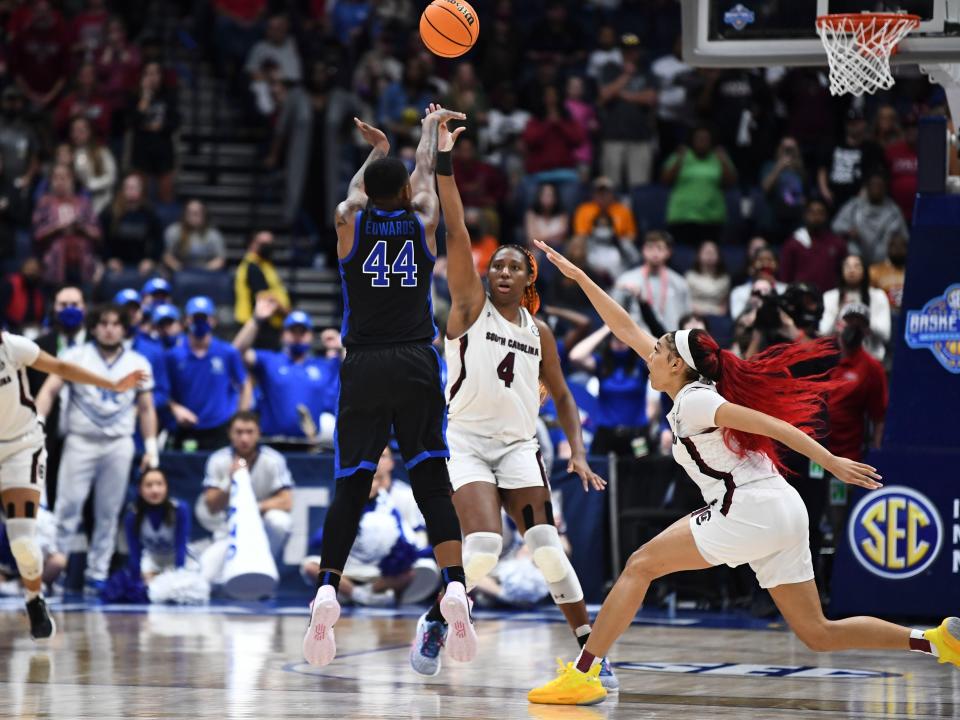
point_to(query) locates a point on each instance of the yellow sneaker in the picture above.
(946, 639)
(570, 687)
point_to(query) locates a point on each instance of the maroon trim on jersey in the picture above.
(710, 472)
(25, 398)
(455, 388)
(543, 470)
(34, 465)
(921, 644)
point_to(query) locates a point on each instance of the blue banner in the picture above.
(585, 514)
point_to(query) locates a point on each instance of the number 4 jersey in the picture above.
(386, 281)
(493, 376)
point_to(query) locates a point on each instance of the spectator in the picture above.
(22, 303)
(401, 103)
(14, 216)
(813, 254)
(62, 155)
(889, 274)
(93, 164)
(206, 380)
(483, 243)
(784, 188)
(763, 267)
(38, 54)
(607, 52)
(132, 231)
(292, 133)
(551, 136)
(506, 123)
(481, 185)
(607, 254)
(501, 50)
(622, 422)
(628, 101)
(85, 101)
(843, 167)
(377, 68)
(559, 290)
(901, 156)
(348, 18)
(98, 449)
(584, 113)
(118, 65)
(298, 390)
(708, 281)
(256, 274)
(139, 338)
(89, 29)
(54, 560)
(389, 562)
(66, 330)
(860, 397)
(697, 209)
(605, 202)
(64, 231)
(545, 220)
(809, 112)
(677, 86)
(855, 287)
(191, 243)
(272, 487)
(870, 219)
(557, 39)
(154, 119)
(167, 326)
(279, 47)
(155, 291)
(654, 285)
(467, 94)
(18, 142)
(237, 26)
(157, 528)
(886, 126)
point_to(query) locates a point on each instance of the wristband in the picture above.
(445, 163)
(151, 450)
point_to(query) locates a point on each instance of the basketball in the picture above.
(449, 27)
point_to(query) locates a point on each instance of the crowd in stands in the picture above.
(746, 201)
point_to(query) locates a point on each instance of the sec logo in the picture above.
(895, 532)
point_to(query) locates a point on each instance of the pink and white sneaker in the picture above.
(319, 645)
(461, 640)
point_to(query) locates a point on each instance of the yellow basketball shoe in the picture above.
(570, 687)
(946, 639)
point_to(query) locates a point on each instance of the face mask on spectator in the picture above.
(168, 340)
(852, 336)
(265, 252)
(297, 349)
(70, 318)
(603, 232)
(200, 328)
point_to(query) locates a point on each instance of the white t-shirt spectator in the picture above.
(286, 57)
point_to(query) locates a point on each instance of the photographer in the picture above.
(772, 318)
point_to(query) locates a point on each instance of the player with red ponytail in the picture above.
(727, 416)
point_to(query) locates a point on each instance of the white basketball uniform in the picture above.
(23, 457)
(753, 515)
(493, 393)
(98, 449)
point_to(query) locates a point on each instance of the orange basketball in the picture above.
(449, 27)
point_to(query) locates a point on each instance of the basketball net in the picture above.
(859, 47)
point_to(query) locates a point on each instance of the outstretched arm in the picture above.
(76, 374)
(356, 197)
(738, 417)
(616, 318)
(567, 412)
(423, 179)
(466, 288)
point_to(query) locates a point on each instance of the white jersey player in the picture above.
(498, 354)
(98, 447)
(23, 459)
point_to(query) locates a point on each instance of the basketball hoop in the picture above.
(859, 47)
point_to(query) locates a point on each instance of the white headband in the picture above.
(682, 340)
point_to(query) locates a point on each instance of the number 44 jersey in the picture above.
(493, 376)
(386, 281)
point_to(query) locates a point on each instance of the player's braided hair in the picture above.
(531, 298)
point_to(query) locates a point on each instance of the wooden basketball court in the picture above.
(244, 662)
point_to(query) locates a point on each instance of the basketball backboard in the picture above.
(754, 33)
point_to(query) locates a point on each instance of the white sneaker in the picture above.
(461, 636)
(363, 595)
(319, 646)
(425, 650)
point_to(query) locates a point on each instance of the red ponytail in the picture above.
(764, 383)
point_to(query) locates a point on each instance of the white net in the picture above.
(859, 48)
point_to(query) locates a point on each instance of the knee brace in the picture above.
(23, 546)
(432, 491)
(481, 552)
(552, 561)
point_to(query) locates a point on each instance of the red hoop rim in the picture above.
(860, 19)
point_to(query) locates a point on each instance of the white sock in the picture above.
(31, 594)
(582, 630)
